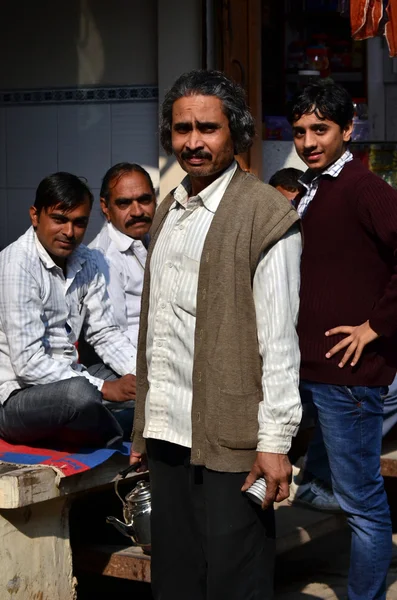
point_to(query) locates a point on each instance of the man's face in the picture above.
(319, 142)
(61, 232)
(201, 138)
(131, 205)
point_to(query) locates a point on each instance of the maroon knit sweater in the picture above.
(349, 275)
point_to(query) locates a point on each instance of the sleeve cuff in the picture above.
(275, 441)
(275, 446)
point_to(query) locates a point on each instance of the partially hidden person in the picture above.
(128, 203)
(286, 181)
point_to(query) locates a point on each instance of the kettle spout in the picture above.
(125, 529)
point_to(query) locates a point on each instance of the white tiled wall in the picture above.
(82, 139)
(278, 155)
(3, 217)
(31, 144)
(133, 135)
(3, 163)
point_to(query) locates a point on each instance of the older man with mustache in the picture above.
(128, 202)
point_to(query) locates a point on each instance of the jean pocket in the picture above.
(356, 393)
(238, 421)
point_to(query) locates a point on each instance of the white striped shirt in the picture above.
(42, 312)
(310, 179)
(122, 261)
(174, 273)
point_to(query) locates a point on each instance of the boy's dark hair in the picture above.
(117, 171)
(63, 189)
(288, 179)
(326, 99)
(211, 83)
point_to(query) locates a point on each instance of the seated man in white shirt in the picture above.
(51, 289)
(128, 202)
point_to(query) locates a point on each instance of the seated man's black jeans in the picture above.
(71, 411)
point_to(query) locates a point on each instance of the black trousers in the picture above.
(209, 541)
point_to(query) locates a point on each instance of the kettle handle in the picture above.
(127, 470)
(121, 475)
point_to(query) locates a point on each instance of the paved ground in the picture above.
(319, 570)
(315, 571)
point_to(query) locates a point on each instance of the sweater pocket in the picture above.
(238, 420)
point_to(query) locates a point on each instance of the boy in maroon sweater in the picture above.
(348, 319)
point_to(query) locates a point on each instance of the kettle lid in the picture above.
(140, 493)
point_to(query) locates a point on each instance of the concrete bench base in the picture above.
(35, 550)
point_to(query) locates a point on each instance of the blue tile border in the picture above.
(80, 95)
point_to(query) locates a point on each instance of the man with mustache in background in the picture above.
(128, 202)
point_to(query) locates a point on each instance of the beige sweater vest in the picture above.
(227, 370)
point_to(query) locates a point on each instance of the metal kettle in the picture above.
(136, 512)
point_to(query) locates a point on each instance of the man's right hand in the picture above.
(120, 390)
(139, 459)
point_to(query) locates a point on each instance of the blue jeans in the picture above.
(317, 466)
(351, 421)
(70, 411)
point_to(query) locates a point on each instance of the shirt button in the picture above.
(170, 265)
(181, 227)
(159, 343)
(163, 305)
(157, 385)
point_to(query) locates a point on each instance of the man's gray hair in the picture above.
(211, 83)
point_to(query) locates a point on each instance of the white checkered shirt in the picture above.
(310, 179)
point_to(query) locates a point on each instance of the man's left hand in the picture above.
(277, 471)
(357, 338)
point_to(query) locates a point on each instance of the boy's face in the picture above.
(287, 193)
(319, 142)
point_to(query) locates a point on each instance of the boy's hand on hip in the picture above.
(357, 338)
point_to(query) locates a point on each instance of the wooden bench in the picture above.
(35, 551)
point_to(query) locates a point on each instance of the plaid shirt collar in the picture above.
(310, 180)
(310, 176)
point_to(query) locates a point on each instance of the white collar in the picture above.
(73, 263)
(209, 196)
(122, 241)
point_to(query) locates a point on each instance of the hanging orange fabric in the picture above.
(365, 16)
(391, 27)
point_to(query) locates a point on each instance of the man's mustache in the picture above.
(187, 154)
(136, 220)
